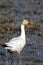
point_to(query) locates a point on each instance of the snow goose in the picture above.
(18, 43)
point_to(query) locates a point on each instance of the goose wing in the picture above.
(16, 44)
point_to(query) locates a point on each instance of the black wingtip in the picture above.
(5, 45)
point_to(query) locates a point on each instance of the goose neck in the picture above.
(23, 31)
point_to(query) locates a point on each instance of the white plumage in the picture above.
(18, 43)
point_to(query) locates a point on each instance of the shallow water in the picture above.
(12, 12)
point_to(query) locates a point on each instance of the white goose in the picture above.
(18, 43)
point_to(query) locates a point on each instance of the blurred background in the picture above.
(12, 12)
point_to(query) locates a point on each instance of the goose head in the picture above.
(26, 22)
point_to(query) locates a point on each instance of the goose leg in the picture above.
(6, 58)
(19, 59)
(12, 58)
